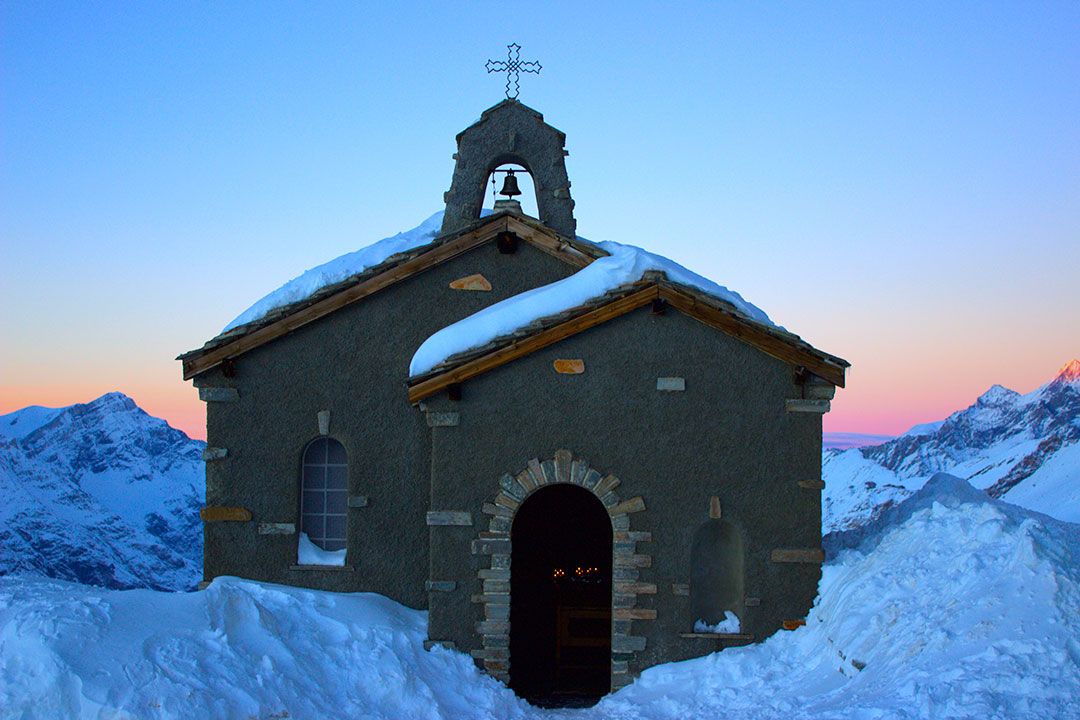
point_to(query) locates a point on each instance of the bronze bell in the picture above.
(510, 187)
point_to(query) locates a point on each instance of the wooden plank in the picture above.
(527, 345)
(195, 365)
(761, 339)
(225, 514)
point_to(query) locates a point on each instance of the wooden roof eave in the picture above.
(789, 349)
(198, 361)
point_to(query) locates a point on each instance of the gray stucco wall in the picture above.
(727, 435)
(353, 363)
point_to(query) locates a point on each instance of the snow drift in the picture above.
(952, 605)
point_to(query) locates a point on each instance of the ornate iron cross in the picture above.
(511, 67)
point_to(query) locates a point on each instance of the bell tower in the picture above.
(510, 132)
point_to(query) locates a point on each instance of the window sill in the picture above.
(731, 637)
(323, 568)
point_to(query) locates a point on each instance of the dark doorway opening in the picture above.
(560, 598)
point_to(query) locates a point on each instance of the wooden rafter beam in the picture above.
(761, 339)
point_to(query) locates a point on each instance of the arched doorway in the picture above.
(560, 597)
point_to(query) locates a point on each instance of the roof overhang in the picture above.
(700, 306)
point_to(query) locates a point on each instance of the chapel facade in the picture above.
(631, 481)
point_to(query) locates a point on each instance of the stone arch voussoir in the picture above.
(627, 562)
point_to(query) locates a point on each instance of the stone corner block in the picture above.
(219, 394)
(819, 407)
(209, 454)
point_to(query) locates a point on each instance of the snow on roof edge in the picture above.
(625, 264)
(340, 268)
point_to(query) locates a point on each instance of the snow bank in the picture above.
(625, 264)
(954, 606)
(339, 269)
(239, 649)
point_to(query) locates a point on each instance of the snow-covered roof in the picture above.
(340, 268)
(608, 269)
(624, 264)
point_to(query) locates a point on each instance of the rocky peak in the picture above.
(1069, 375)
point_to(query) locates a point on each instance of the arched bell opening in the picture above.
(496, 183)
(560, 597)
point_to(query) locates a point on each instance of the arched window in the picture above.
(324, 493)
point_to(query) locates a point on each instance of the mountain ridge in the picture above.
(101, 493)
(1024, 448)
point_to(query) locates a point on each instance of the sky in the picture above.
(898, 183)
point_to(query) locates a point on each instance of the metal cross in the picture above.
(511, 67)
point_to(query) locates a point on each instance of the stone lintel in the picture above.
(632, 505)
(442, 419)
(493, 627)
(625, 643)
(449, 517)
(798, 555)
(639, 561)
(219, 394)
(633, 614)
(671, 384)
(225, 514)
(440, 585)
(358, 501)
(536, 473)
(606, 485)
(491, 546)
(807, 406)
(631, 588)
(499, 510)
(277, 528)
(491, 654)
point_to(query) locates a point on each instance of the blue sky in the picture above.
(897, 182)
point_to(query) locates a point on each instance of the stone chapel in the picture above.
(632, 480)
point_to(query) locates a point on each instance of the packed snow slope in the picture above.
(1023, 448)
(101, 493)
(952, 605)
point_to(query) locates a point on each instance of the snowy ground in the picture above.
(952, 605)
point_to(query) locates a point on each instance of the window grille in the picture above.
(324, 493)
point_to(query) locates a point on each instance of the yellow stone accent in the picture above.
(472, 282)
(570, 367)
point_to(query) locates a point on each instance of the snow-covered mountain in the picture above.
(100, 493)
(1022, 448)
